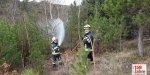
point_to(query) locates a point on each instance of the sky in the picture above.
(63, 2)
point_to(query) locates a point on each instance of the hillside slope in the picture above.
(109, 63)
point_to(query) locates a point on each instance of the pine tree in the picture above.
(140, 18)
(107, 21)
(8, 45)
(83, 65)
(29, 72)
(71, 26)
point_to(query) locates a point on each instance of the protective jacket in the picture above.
(55, 48)
(86, 40)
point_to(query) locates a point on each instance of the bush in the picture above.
(29, 72)
(82, 66)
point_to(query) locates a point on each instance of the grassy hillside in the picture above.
(109, 63)
(120, 63)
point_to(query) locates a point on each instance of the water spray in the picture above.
(58, 30)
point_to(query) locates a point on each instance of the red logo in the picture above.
(139, 69)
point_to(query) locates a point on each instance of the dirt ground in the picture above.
(108, 63)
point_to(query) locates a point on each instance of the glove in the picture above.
(56, 49)
(88, 40)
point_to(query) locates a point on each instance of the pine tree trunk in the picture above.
(47, 23)
(149, 29)
(120, 42)
(58, 10)
(1, 3)
(79, 23)
(46, 14)
(14, 12)
(25, 44)
(50, 6)
(67, 16)
(22, 56)
(27, 35)
(140, 42)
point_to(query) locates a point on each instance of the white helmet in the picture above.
(54, 38)
(87, 26)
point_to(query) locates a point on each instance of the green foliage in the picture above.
(29, 72)
(23, 41)
(140, 19)
(71, 27)
(38, 43)
(82, 66)
(112, 19)
(109, 29)
(8, 45)
(109, 25)
(114, 7)
(4, 3)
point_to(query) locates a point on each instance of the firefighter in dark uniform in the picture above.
(55, 52)
(88, 41)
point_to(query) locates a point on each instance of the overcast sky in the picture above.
(64, 2)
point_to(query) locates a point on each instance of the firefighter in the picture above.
(55, 52)
(88, 41)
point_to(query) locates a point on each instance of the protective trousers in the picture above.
(56, 57)
(89, 56)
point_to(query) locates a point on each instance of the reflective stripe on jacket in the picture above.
(55, 49)
(88, 40)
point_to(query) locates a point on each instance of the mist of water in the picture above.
(58, 30)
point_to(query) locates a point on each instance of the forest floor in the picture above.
(108, 63)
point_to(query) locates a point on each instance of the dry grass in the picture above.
(4, 70)
(119, 63)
